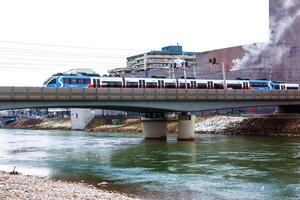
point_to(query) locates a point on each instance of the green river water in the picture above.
(212, 167)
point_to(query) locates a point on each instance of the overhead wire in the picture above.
(28, 58)
(53, 60)
(55, 53)
(69, 46)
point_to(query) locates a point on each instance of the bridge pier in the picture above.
(186, 127)
(154, 126)
(80, 118)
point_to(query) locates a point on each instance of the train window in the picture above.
(201, 85)
(132, 84)
(111, 84)
(259, 84)
(151, 85)
(292, 88)
(170, 85)
(73, 81)
(182, 85)
(83, 81)
(67, 80)
(53, 81)
(87, 81)
(218, 86)
(80, 81)
(234, 86)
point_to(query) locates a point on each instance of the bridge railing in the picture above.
(79, 94)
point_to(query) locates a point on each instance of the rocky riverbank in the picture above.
(262, 126)
(22, 187)
(226, 125)
(129, 126)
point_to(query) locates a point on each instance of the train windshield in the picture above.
(53, 81)
(47, 80)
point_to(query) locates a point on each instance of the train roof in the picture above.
(77, 72)
(260, 80)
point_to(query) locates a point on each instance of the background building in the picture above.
(277, 60)
(155, 63)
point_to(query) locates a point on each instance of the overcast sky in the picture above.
(41, 37)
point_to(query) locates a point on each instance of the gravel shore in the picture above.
(17, 187)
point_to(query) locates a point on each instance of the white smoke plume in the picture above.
(287, 4)
(279, 23)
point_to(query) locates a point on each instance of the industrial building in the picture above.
(277, 60)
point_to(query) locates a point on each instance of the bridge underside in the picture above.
(147, 106)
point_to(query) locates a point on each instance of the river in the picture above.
(212, 167)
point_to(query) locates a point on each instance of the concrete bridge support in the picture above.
(80, 118)
(186, 127)
(154, 126)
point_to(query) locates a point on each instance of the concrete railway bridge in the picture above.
(154, 103)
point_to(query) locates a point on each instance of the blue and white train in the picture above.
(84, 80)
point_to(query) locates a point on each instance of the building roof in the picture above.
(168, 50)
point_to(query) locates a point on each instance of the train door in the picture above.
(160, 84)
(282, 87)
(142, 83)
(193, 85)
(96, 83)
(245, 85)
(210, 85)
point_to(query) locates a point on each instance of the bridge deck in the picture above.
(81, 94)
(142, 100)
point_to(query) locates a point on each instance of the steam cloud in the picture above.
(279, 23)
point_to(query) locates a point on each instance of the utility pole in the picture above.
(184, 63)
(270, 72)
(184, 73)
(194, 70)
(224, 76)
(213, 61)
(145, 65)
